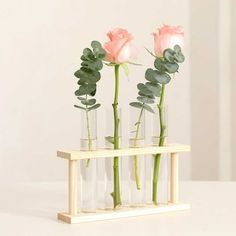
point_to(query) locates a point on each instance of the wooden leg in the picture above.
(72, 187)
(174, 178)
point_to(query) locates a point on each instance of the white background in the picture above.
(40, 47)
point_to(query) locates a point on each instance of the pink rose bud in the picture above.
(120, 48)
(167, 37)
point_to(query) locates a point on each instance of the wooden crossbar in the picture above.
(106, 153)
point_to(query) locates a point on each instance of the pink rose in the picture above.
(120, 48)
(167, 37)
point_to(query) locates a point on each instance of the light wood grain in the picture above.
(174, 178)
(72, 187)
(78, 155)
(122, 213)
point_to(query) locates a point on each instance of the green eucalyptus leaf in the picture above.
(159, 64)
(179, 57)
(110, 139)
(81, 82)
(88, 54)
(83, 58)
(162, 78)
(144, 95)
(89, 102)
(143, 88)
(148, 108)
(155, 88)
(96, 64)
(169, 55)
(94, 91)
(145, 100)
(81, 98)
(99, 52)
(96, 44)
(177, 48)
(85, 89)
(94, 107)
(136, 104)
(156, 76)
(171, 67)
(79, 107)
(149, 75)
(87, 75)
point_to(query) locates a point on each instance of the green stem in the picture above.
(161, 143)
(136, 157)
(116, 190)
(88, 133)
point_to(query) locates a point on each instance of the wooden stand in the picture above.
(73, 156)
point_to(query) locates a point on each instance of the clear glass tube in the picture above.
(109, 144)
(137, 163)
(163, 178)
(157, 127)
(88, 168)
(88, 139)
(101, 183)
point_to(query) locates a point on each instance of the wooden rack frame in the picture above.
(72, 216)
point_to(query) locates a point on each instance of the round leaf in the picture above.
(149, 75)
(136, 104)
(93, 65)
(144, 95)
(169, 55)
(94, 107)
(85, 89)
(79, 107)
(88, 54)
(155, 88)
(145, 100)
(143, 88)
(171, 67)
(89, 102)
(177, 48)
(161, 78)
(159, 64)
(148, 108)
(87, 75)
(179, 57)
(96, 44)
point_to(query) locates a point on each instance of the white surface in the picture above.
(30, 209)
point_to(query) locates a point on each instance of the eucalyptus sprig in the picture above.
(164, 67)
(154, 88)
(88, 75)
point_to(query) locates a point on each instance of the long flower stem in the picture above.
(88, 133)
(116, 190)
(135, 145)
(157, 157)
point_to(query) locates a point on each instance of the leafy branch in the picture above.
(88, 75)
(165, 66)
(154, 87)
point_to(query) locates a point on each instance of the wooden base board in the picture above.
(121, 213)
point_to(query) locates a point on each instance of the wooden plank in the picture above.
(122, 213)
(72, 187)
(77, 155)
(174, 178)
